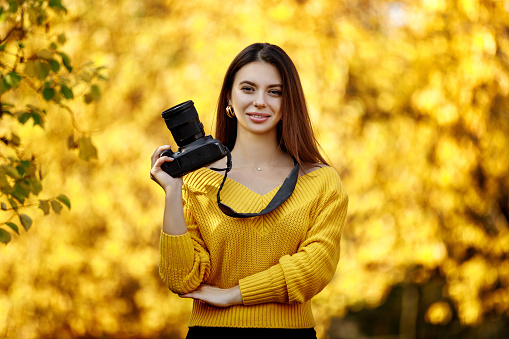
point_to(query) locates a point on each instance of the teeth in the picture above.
(258, 116)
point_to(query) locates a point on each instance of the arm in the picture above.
(173, 222)
(298, 277)
(184, 261)
(216, 296)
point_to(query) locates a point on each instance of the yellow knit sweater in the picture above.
(279, 260)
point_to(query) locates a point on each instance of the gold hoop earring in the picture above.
(229, 111)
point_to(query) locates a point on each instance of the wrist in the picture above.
(236, 296)
(173, 189)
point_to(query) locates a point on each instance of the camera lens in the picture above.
(183, 122)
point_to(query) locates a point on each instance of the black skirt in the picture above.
(244, 333)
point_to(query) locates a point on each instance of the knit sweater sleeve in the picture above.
(184, 260)
(299, 277)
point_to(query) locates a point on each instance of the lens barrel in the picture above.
(183, 122)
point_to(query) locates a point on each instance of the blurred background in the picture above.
(409, 100)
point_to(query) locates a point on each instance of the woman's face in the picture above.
(256, 97)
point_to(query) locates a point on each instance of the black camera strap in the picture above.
(284, 192)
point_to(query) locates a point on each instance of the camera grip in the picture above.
(166, 153)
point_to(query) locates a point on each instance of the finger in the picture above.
(156, 168)
(159, 150)
(160, 161)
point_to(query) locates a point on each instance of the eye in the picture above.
(247, 89)
(275, 92)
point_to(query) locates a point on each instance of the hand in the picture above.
(166, 181)
(216, 296)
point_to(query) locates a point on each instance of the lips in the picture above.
(258, 117)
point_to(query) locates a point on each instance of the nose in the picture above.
(259, 102)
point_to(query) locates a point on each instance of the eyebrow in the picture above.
(253, 84)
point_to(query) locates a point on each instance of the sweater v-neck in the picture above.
(272, 192)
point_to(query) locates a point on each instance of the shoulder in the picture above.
(308, 168)
(322, 179)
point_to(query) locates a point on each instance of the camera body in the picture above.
(195, 155)
(196, 149)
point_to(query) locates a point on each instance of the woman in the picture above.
(254, 275)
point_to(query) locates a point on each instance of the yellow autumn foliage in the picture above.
(409, 100)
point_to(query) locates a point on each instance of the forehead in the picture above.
(258, 72)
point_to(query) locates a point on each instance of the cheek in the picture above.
(276, 105)
(239, 99)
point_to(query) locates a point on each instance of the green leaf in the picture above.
(93, 95)
(62, 39)
(21, 169)
(87, 149)
(12, 79)
(57, 97)
(66, 92)
(24, 117)
(13, 204)
(35, 108)
(85, 76)
(35, 186)
(16, 79)
(12, 172)
(7, 81)
(66, 61)
(53, 46)
(3, 206)
(48, 93)
(56, 206)
(96, 92)
(30, 68)
(44, 206)
(13, 6)
(38, 119)
(13, 226)
(5, 105)
(5, 187)
(55, 65)
(5, 85)
(24, 187)
(45, 54)
(26, 221)
(42, 69)
(63, 198)
(25, 163)
(2, 47)
(57, 5)
(88, 98)
(20, 193)
(15, 140)
(5, 236)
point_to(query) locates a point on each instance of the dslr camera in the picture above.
(195, 148)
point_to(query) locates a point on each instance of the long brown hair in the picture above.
(294, 132)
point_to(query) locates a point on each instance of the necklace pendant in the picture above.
(259, 168)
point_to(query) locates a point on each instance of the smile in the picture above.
(258, 117)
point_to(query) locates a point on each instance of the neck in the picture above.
(258, 150)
